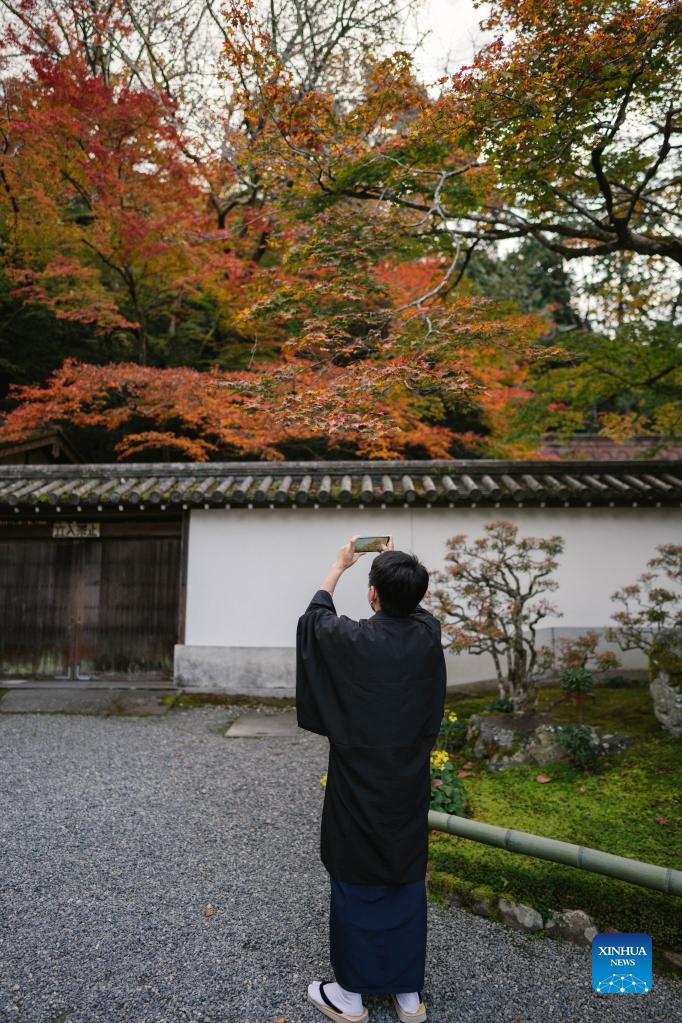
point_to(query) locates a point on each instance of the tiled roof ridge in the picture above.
(338, 468)
(256, 484)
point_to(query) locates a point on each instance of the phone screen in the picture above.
(370, 543)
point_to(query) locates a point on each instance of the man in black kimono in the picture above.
(376, 688)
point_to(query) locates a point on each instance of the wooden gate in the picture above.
(97, 607)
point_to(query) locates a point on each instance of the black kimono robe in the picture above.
(376, 689)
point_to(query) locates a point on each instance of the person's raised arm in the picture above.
(345, 557)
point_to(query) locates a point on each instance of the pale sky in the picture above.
(453, 35)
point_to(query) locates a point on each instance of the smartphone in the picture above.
(370, 543)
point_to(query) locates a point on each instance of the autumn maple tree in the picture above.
(314, 229)
(563, 128)
(105, 221)
(346, 350)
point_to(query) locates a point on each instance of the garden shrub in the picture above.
(578, 743)
(577, 685)
(501, 705)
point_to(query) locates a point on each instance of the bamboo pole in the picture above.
(647, 875)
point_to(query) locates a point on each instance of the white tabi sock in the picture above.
(409, 1002)
(347, 1001)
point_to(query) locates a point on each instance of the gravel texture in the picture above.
(117, 833)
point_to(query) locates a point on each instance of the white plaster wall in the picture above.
(251, 572)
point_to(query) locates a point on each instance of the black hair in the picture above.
(400, 580)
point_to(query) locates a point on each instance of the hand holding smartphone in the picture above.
(367, 544)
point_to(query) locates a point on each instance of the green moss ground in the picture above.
(180, 701)
(617, 813)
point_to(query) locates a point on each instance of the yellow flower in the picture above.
(323, 779)
(452, 716)
(439, 759)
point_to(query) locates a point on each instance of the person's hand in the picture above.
(347, 555)
(388, 546)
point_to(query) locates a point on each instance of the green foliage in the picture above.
(576, 681)
(666, 656)
(623, 682)
(447, 790)
(619, 385)
(452, 733)
(577, 741)
(181, 701)
(532, 276)
(33, 341)
(502, 705)
(577, 685)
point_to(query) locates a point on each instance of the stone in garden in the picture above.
(481, 906)
(488, 736)
(509, 742)
(673, 957)
(665, 680)
(498, 733)
(572, 925)
(519, 916)
(615, 742)
(544, 747)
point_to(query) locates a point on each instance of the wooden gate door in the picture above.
(126, 608)
(86, 609)
(35, 608)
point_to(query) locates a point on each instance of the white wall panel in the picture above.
(251, 572)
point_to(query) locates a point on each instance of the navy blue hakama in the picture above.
(377, 936)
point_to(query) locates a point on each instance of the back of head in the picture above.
(400, 580)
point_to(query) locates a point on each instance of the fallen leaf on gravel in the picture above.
(209, 911)
(542, 777)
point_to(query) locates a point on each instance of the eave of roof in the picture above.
(42, 439)
(168, 486)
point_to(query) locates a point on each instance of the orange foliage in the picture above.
(375, 353)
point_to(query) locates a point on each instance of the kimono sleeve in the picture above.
(335, 633)
(440, 691)
(439, 671)
(324, 659)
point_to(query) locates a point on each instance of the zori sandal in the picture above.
(410, 1017)
(331, 1010)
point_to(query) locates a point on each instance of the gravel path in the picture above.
(118, 832)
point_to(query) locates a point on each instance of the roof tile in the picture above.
(433, 482)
